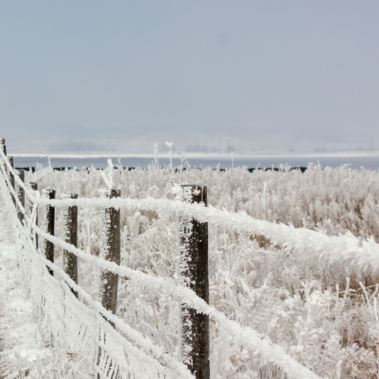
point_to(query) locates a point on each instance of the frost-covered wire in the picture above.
(245, 336)
(146, 345)
(346, 247)
(340, 248)
(362, 253)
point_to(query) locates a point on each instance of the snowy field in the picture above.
(318, 303)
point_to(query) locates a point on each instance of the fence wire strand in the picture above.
(109, 353)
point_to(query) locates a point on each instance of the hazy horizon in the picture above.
(269, 76)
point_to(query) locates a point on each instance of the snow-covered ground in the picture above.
(322, 314)
(23, 351)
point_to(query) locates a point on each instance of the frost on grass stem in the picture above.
(156, 163)
(105, 247)
(185, 225)
(107, 174)
(182, 259)
(170, 145)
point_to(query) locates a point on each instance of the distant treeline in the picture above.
(33, 169)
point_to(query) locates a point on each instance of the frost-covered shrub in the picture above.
(301, 303)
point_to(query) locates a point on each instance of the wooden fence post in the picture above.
(21, 195)
(3, 146)
(194, 255)
(4, 149)
(70, 259)
(34, 187)
(111, 252)
(11, 179)
(50, 220)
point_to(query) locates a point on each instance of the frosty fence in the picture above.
(135, 348)
(82, 326)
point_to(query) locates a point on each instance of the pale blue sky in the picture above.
(263, 73)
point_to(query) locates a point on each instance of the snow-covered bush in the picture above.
(323, 320)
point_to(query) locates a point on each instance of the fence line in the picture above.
(344, 247)
(244, 335)
(171, 368)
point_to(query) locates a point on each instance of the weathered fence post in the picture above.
(11, 179)
(3, 146)
(70, 259)
(50, 220)
(34, 187)
(21, 195)
(194, 269)
(111, 252)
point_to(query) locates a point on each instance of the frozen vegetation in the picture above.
(24, 351)
(315, 296)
